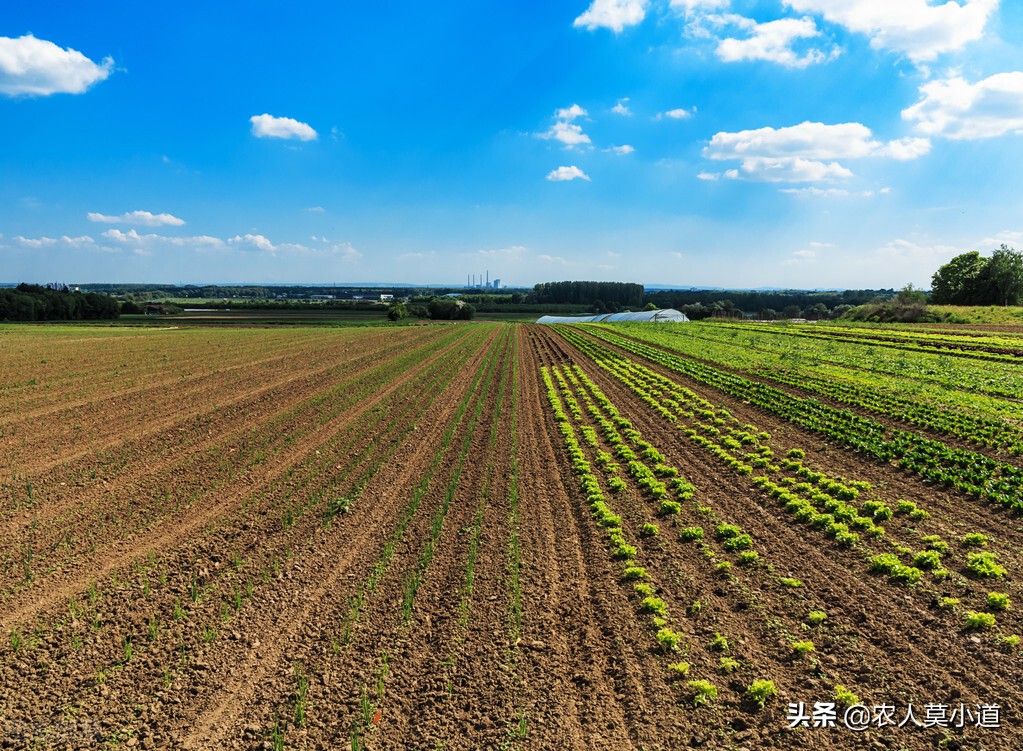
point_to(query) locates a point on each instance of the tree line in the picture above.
(617, 294)
(54, 302)
(970, 279)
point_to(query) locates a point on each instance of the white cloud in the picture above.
(567, 133)
(567, 173)
(804, 253)
(139, 218)
(612, 14)
(916, 28)
(905, 149)
(708, 176)
(622, 108)
(570, 113)
(688, 6)
(623, 150)
(805, 152)
(816, 244)
(315, 209)
(815, 191)
(36, 67)
(267, 126)
(252, 242)
(510, 253)
(552, 259)
(772, 41)
(35, 242)
(675, 114)
(788, 170)
(956, 109)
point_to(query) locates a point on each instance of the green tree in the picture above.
(397, 311)
(957, 282)
(1002, 278)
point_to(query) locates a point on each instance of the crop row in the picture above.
(932, 460)
(967, 417)
(809, 496)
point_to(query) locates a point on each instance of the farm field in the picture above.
(511, 536)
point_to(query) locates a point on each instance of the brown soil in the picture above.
(194, 584)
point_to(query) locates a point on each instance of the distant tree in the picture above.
(1002, 278)
(768, 314)
(910, 295)
(818, 312)
(396, 311)
(956, 283)
(650, 306)
(791, 311)
(516, 298)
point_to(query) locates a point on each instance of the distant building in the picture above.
(497, 284)
(386, 298)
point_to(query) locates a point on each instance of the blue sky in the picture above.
(802, 143)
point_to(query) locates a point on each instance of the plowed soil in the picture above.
(375, 539)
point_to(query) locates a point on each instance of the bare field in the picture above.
(494, 536)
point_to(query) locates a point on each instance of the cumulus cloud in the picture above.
(510, 253)
(806, 152)
(622, 108)
(815, 191)
(570, 113)
(917, 28)
(612, 14)
(268, 126)
(675, 114)
(252, 242)
(562, 174)
(564, 130)
(773, 42)
(139, 218)
(689, 6)
(36, 67)
(623, 150)
(956, 109)
(708, 176)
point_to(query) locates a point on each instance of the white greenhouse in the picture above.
(666, 315)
